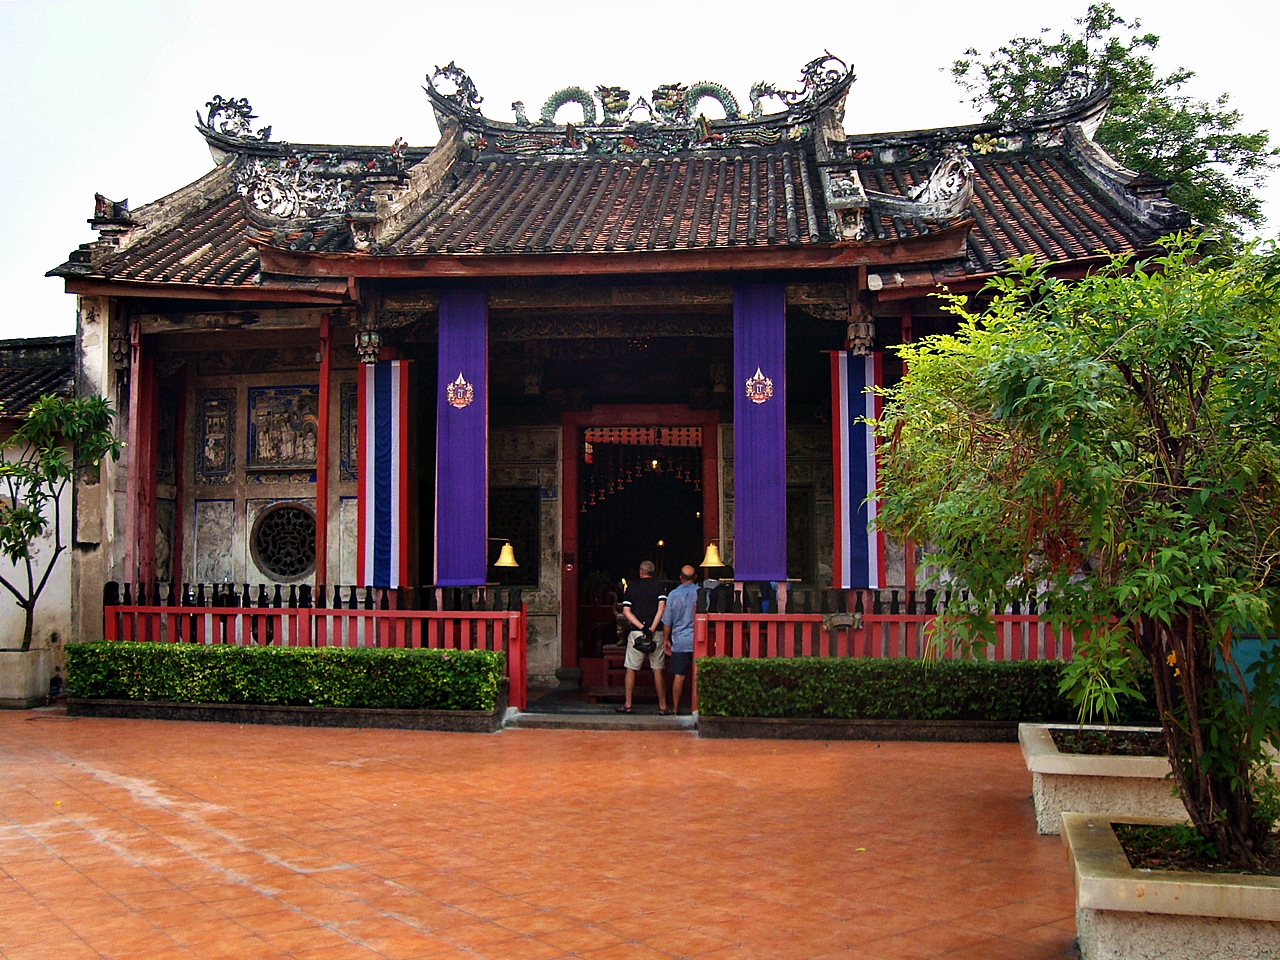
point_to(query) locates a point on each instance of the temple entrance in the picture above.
(640, 491)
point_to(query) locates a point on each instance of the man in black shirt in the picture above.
(642, 605)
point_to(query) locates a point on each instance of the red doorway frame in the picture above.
(623, 415)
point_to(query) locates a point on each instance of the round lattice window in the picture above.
(284, 541)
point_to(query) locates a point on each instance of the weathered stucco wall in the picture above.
(97, 531)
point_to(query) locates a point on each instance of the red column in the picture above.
(322, 461)
(140, 481)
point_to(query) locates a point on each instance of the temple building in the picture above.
(614, 330)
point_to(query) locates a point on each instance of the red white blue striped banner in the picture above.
(859, 549)
(382, 555)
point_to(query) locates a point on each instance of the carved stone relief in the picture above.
(215, 529)
(164, 539)
(348, 535)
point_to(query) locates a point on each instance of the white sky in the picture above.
(100, 95)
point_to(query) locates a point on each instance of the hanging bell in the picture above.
(712, 556)
(507, 556)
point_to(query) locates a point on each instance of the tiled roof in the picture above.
(208, 248)
(1038, 204)
(786, 180)
(32, 368)
(578, 205)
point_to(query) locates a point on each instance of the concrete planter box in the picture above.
(24, 678)
(1128, 914)
(1124, 786)
(797, 728)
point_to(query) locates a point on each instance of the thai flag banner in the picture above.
(382, 556)
(462, 439)
(859, 549)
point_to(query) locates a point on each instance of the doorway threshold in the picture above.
(583, 720)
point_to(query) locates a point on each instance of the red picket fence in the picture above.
(503, 630)
(1018, 636)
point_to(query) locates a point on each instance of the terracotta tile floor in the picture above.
(144, 839)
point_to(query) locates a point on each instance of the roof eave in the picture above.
(943, 245)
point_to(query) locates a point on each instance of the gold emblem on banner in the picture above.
(459, 393)
(759, 387)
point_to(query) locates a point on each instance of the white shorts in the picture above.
(635, 659)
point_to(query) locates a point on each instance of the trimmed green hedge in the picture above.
(891, 689)
(289, 676)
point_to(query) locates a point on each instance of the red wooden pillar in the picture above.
(908, 546)
(322, 461)
(140, 482)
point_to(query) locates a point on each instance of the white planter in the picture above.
(24, 678)
(1128, 914)
(1131, 786)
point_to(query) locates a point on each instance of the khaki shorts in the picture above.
(635, 659)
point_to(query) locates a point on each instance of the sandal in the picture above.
(665, 712)
(622, 709)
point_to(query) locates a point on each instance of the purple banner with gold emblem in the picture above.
(760, 432)
(462, 439)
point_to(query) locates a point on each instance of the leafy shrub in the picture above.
(290, 676)
(892, 689)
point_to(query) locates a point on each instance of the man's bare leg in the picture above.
(630, 687)
(661, 688)
(677, 688)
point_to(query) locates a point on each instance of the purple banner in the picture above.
(462, 439)
(760, 432)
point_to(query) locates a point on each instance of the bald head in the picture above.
(687, 573)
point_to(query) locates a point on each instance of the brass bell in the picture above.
(712, 557)
(506, 556)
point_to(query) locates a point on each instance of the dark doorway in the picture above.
(657, 515)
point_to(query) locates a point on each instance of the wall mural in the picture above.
(216, 414)
(283, 426)
(349, 435)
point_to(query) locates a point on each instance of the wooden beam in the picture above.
(944, 245)
(191, 291)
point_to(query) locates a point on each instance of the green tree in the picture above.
(1152, 126)
(1112, 445)
(35, 473)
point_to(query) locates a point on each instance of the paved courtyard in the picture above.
(148, 839)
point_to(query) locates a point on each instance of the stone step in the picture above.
(600, 721)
